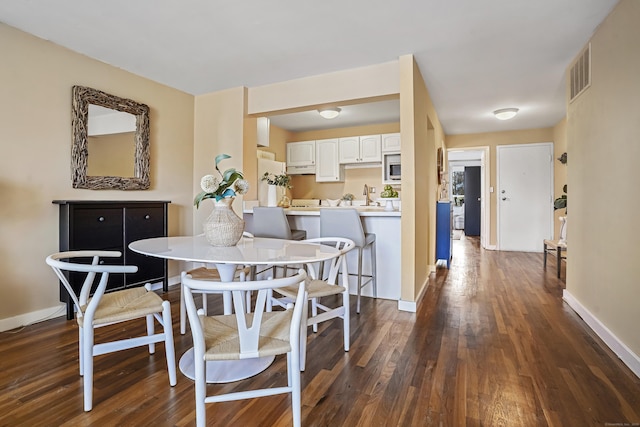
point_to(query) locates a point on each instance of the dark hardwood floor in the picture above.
(491, 345)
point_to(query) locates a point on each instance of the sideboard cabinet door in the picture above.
(142, 223)
(112, 225)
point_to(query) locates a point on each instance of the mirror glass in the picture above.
(110, 141)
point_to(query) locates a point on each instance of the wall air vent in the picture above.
(580, 73)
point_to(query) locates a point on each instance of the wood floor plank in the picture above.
(492, 344)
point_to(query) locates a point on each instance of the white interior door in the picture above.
(525, 196)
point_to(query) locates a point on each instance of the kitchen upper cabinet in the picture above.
(391, 143)
(301, 157)
(328, 168)
(361, 149)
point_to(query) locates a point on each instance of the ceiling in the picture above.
(475, 56)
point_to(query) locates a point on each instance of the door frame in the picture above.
(498, 186)
(485, 193)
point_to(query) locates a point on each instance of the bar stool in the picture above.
(346, 223)
(272, 222)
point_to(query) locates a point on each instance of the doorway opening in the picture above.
(471, 208)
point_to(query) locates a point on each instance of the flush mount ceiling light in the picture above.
(505, 113)
(330, 113)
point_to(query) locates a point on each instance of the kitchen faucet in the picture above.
(367, 199)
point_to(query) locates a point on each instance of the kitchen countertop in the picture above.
(315, 211)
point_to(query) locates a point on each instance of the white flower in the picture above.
(209, 183)
(242, 186)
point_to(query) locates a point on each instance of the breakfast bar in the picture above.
(385, 225)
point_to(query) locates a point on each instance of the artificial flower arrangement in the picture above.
(282, 180)
(230, 183)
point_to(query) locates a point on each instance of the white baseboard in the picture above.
(625, 354)
(33, 317)
(412, 306)
(57, 311)
(171, 281)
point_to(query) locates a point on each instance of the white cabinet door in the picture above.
(328, 168)
(349, 149)
(370, 149)
(360, 149)
(301, 153)
(391, 143)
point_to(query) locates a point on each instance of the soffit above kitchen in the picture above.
(475, 56)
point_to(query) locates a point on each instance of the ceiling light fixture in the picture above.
(330, 113)
(505, 113)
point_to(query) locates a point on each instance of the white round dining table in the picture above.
(249, 251)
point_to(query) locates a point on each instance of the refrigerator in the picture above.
(274, 167)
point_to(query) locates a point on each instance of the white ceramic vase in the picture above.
(272, 196)
(223, 227)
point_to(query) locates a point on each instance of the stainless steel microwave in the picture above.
(394, 171)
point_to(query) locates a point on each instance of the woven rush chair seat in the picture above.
(222, 339)
(315, 288)
(124, 305)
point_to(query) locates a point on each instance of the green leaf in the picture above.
(200, 197)
(560, 202)
(221, 157)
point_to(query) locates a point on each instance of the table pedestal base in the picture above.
(225, 371)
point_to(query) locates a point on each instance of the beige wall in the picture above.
(36, 77)
(356, 84)
(494, 139)
(559, 169)
(420, 130)
(416, 111)
(603, 129)
(219, 128)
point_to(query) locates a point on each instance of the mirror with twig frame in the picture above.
(83, 97)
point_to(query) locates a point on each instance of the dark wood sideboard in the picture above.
(112, 225)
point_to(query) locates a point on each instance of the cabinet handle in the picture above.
(147, 216)
(101, 219)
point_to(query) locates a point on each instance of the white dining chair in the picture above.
(320, 287)
(211, 273)
(346, 223)
(104, 309)
(244, 335)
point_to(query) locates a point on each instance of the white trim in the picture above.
(171, 281)
(412, 306)
(625, 354)
(485, 183)
(26, 319)
(53, 312)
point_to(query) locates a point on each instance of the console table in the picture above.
(444, 231)
(112, 225)
(559, 249)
